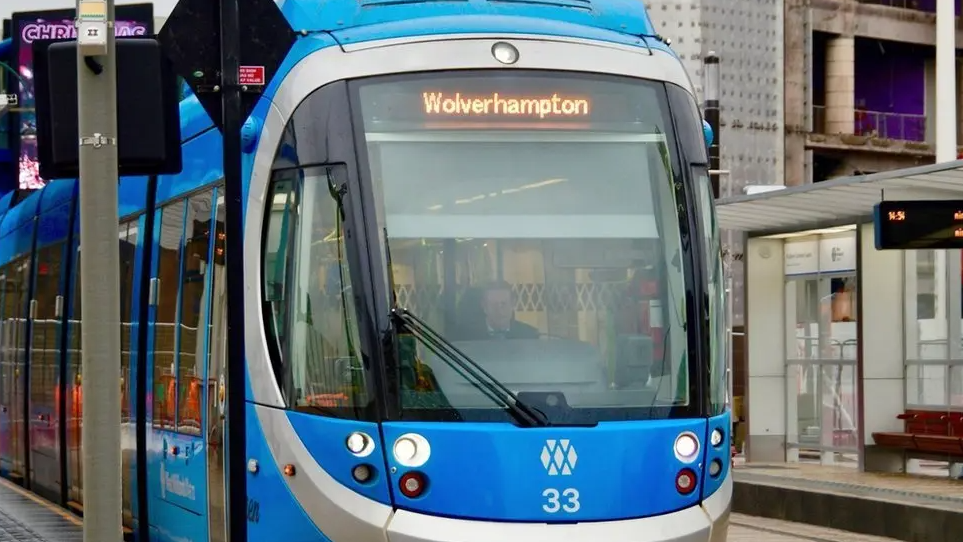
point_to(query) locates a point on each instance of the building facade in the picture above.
(748, 37)
(813, 89)
(860, 86)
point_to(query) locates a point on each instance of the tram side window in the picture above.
(14, 323)
(307, 289)
(195, 251)
(715, 289)
(45, 340)
(165, 319)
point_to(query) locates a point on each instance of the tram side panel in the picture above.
(17, 234)
(55, 379)
(184, 268)
(285, 442)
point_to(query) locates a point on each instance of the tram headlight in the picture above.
(715, 468)
(359, 444)
(411, 450)
(506, 53)
(716, 437)
(686, 447)
(405, 449)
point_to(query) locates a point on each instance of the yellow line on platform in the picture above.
(46, 504)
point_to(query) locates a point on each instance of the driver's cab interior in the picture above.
(533, 316)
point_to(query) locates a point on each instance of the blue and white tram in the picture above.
(483, 293)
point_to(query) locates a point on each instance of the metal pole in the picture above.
(710, 89)
(945, 81)
(99, 277)
(231, 131)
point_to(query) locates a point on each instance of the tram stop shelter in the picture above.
(843, 340)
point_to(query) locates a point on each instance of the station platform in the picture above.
(754, 529)
(912, 508)
(24, 517)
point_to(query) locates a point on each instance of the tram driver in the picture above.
(498, 308)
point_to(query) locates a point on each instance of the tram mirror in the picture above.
(707, 133)
(633, 360)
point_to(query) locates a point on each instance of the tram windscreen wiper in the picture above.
(458, 360)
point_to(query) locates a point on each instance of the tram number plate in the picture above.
(565, 500)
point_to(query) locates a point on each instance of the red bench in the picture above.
(926, 431)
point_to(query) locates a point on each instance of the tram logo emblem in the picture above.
(559, 457)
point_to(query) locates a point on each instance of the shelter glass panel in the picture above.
(925, 288)
(933, 325)
(821, 342)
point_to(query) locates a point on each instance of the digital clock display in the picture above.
(919, 224)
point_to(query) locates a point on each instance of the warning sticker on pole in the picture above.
(252, 75)
(8, 99)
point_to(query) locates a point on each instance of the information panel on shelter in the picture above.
(923, 224)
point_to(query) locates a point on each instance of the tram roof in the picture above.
(623, 16)
(836, 202)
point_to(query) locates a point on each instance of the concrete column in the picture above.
(791, 303)
(840, 84)
(959, 100)
(765, 326)
(929, 77)
(797, 83)
(945, 80)
(881, 336)
(953, 332)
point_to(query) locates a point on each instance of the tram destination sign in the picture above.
(523, 100)
(918, 224)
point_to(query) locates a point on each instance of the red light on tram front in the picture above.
(412, 485)
(685, 481)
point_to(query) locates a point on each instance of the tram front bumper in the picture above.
(707, 522)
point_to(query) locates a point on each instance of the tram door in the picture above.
(4, 410)
(17, 303)
(187, 357)
(46, 333)
(8, 325)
